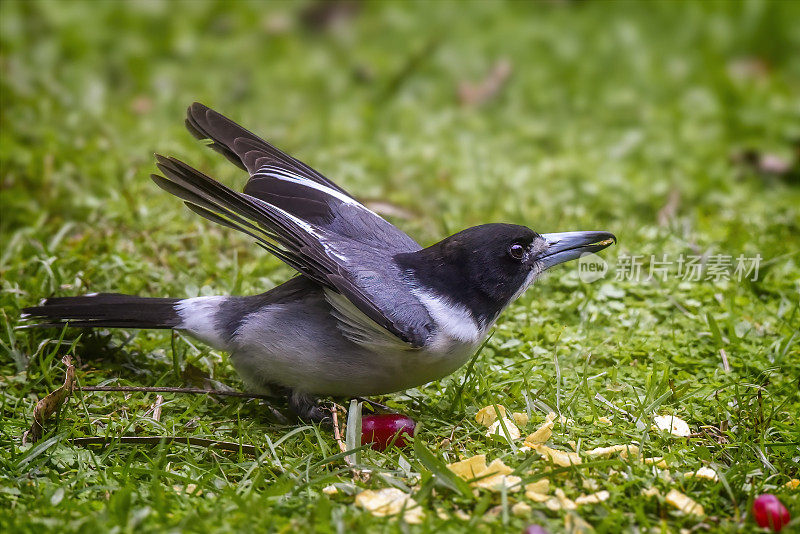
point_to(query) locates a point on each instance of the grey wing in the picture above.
(319, 230)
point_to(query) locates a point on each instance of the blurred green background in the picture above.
(676, 125)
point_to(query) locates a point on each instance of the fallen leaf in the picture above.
(487, 415)
(684, 503)
(561, 458)
(703, 472)
(593, 498)
(52, 402)
(472, 94)
(672, 424)
(390, 501)
(541, 435)
(521, 419)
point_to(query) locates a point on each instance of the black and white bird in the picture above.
(371, 312)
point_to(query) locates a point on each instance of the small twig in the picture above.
(155, 440)
(192, 391)
(337, 433)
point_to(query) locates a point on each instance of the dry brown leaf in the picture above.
(52, 402)
(390, 501)
(684, 503)
(472, 94)
(487, 415)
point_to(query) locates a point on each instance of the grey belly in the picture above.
(297, 344)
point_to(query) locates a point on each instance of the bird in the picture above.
(370, 311)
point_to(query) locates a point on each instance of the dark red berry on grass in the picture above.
(380, 430)
(534, 529)
(769, 512)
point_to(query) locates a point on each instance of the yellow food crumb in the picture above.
(593, 498)
(792, 484)
(684, 503)
(561, 458)
(390, 501)
(330, 490)
(521, 509)
(541, 435)
(605, 420)
(520, 418)
(658, 461)
(488, 415)
(496, 429)
(703, 472)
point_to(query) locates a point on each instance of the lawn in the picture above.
(675, 125)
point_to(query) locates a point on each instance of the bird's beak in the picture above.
(566, 246)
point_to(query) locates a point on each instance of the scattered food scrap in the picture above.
(605, 420)
(521, 509)
(593, 498)
(488, 415)
(561, 458)
(792, 484)
(537, 491)
(330, 490)
(560, 502)
(390, 501)
(658, 461)
(541, 435)
(623, 450)
(672, 424)
(684, 503)
(496, 429)
(521, 419)
(703, 472)
(493, 477)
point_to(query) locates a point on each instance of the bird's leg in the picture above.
(307, 408)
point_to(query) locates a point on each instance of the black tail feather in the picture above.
(111, 310)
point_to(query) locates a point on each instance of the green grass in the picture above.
(609, 110)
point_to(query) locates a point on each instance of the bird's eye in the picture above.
(516, 251)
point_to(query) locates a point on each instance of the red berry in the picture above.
(534, 529)
(768, 511)
(380, 430)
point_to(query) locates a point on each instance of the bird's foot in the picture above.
(308, 408)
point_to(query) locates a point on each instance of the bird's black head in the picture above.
(487, 267)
